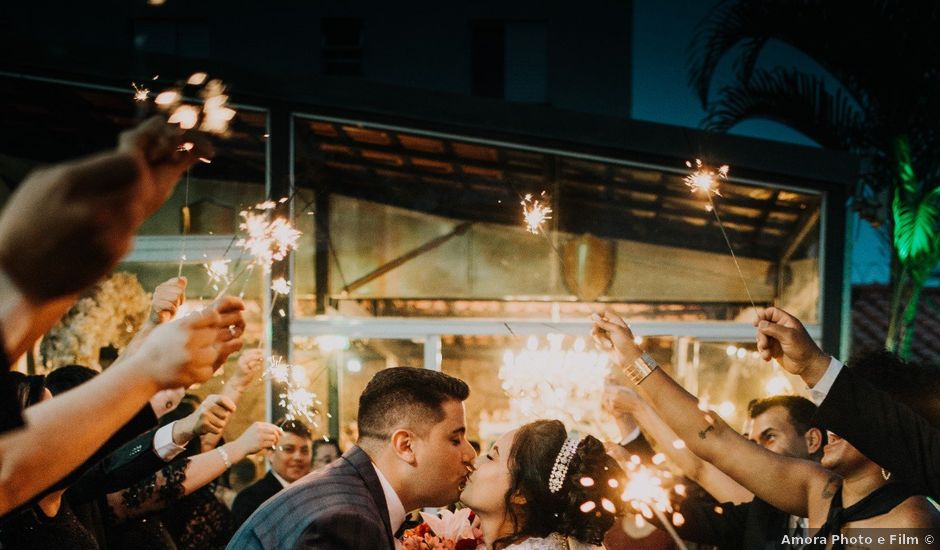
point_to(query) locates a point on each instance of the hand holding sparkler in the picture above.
(250, 368)
(783, 337)
(612, 333)
(167, 298)
(258, 436)
(182, 352)
(210, 417)
(162, 153)
(230, 310)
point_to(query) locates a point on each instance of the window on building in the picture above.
(488, 61)
(341, 51)
(510, 60)
(185, 38)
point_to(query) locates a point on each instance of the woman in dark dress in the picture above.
(49, 522)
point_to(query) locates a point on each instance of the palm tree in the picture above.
(877, 94)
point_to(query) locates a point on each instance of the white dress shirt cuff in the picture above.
(163, 443)
(630, 437)
(819, 392)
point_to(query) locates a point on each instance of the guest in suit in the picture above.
(412, 452)
(290, 460)
(896, 423)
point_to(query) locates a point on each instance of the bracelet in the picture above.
(641, 368)
(224, 455)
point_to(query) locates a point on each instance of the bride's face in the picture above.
(486, 489)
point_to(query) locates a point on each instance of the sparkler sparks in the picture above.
(217, 270)
(705, 178)
(140, 92)
(535, 212)
(299, 402)
(267, 241)
(212, 117)
(280, 286)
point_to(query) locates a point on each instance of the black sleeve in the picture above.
(130, 463)
(884, 430)
(141, 423)
(11, 416)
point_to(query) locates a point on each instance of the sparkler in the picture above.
(217, 270)
(705, 178)
(297, 400)
(535, 213)
(645, 492)
(213, 116)
(140, 92)
(266, 241)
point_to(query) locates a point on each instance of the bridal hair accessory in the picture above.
(560, 468)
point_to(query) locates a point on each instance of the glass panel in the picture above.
(517, 380)
(728, 375)
(419, 219)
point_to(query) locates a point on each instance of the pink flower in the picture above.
(450, 525)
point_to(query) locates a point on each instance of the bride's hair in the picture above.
(587, 502)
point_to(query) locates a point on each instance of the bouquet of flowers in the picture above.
(458, 530)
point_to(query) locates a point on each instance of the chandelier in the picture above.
(548, 380)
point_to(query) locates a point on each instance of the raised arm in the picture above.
(176, 354)
(782, 481)
(624, 400)
(187, 475)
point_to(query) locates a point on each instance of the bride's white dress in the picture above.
(552, 542)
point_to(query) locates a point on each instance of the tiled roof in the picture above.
(870, 306)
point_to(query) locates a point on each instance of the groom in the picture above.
(412, 453)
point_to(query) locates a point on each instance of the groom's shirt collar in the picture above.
(396, 510)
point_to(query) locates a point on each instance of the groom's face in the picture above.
(444, 457)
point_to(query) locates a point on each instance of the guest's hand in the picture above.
(231, 327)
(181, 352)
(250, 365)
(167, 298)
(258, 436)
(622, 403)
(212, 415)
(612, 333)
(156, 147)
(68, 225)
(783, 337)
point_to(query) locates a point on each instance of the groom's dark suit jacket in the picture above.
(884, 430)
(340, 507)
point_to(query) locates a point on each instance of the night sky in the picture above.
(662, 35)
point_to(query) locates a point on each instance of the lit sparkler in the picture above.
(646, 493)
(213, 116)
(280, 286)
(297, 400)
(535, 212)
(705, 178)
(217, 270)
(266, 241)
(140, 92)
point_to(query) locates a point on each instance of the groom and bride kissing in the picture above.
(529, 491)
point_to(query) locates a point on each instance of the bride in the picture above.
(540, 489)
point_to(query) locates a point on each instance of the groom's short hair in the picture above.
(406, 396)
